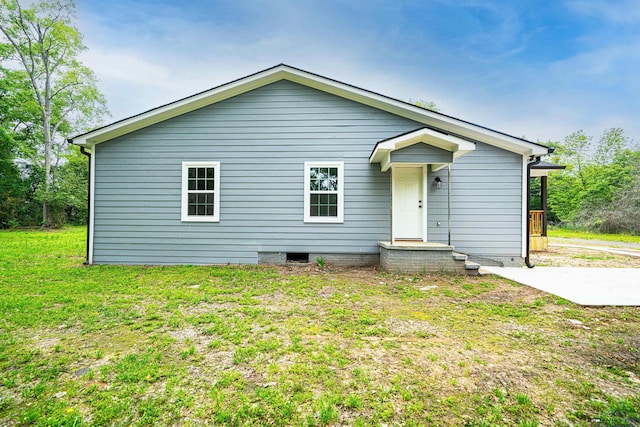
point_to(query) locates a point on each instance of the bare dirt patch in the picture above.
(563, 256)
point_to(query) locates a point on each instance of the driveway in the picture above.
(585, 286)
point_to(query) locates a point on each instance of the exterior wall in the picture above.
(421, 153)
(486, 205)
(261, 139)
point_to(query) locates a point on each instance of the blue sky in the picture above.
(534, 68)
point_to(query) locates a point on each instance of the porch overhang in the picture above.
(457, 146)
(544, 168)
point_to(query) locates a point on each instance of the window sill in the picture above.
(323, 221)
(195, 219)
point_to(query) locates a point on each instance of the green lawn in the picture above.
(189, 345)
(574, 234)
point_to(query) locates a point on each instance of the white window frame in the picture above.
(185, 192)
(307, 193)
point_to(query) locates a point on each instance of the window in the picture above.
(201, 191)
(323, 192)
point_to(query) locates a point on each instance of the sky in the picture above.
(538, 69)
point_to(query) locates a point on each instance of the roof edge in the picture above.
(432, 119)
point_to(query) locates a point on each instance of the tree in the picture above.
(597, 188)
(63, 92)
(11, 182)
(623, 214)
(68, 193)
(611, 145)
(429, 105)
(12, 185)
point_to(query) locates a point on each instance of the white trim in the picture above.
(425, 213)
(393, 203)
(92, 207)
(537, 173)
(525, 214)
(185, 217)
(423, 196)
(284, 72)
(382, 153)
(307, 193)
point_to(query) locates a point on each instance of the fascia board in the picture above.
(425, 136)
(418, 114)
(536, 173)
(446, 123)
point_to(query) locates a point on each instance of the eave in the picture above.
(447, 124)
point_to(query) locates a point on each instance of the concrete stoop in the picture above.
(424, 257)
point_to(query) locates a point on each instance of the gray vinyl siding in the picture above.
(261, 139)
(421, 153)
(486, 204)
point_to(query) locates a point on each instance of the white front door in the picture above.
(407, 203)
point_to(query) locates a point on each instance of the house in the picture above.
(286, 165)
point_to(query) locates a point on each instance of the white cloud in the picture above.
(481, 73)
(615, 11)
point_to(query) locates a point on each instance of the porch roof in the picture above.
(543, 168)
(383, 149)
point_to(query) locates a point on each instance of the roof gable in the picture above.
(441, 122)
(383, 149)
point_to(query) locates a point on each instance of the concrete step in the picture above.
(472, 266)
(458, 256)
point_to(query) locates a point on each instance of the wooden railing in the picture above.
(536, 223)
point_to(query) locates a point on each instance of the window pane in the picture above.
(201, 198)
(323, 179)
(192, 198)
(313, 179)
(192, 209)
(323, 205)
(192, 184)
(210, 173)
(200, 209)
(210, 209)
(201, 172)
(333, 179)
(192, 172)
(210, 184)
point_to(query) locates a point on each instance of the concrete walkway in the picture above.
(585, 286)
